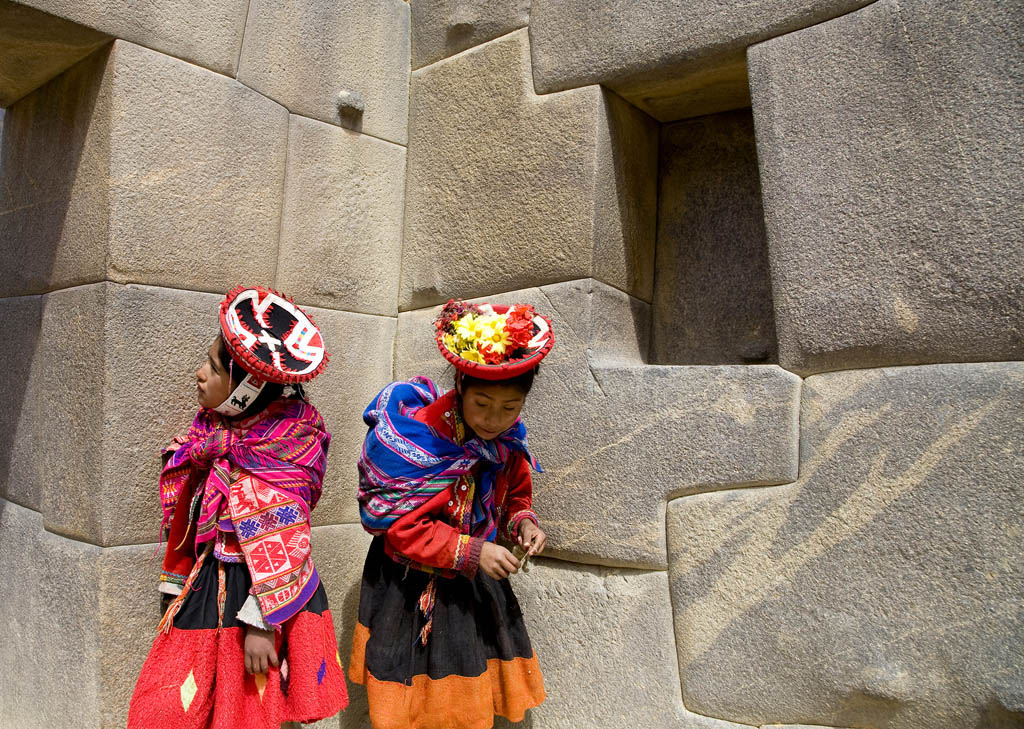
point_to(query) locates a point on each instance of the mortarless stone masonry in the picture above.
(731, 546)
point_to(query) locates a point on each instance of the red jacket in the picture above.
(436, 535)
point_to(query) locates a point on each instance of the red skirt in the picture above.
(195, 678)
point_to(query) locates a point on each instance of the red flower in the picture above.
(489, 355)
(451, 313)
(519, 326)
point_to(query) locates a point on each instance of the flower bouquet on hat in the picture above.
(490, 341)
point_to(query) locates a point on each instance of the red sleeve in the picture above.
(518, 498)
(424, 536)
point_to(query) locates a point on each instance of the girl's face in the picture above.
(491, 409)
(213, 385)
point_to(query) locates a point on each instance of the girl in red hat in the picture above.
(247, 638)
(444, 483)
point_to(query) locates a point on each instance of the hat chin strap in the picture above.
(242, 397)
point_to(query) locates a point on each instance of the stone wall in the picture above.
(782, 249)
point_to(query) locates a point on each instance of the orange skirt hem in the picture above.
(506, 688)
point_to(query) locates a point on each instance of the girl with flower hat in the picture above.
(440, 641)
(247, 639)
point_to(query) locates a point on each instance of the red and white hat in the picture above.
(491, 341)
(272, 339)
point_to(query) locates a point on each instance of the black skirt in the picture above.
(477, 660)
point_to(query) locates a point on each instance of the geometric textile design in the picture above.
(274, 534)
(188, 691)
(322, 672)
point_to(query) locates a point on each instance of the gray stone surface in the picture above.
(616, 437)
(42, 644)
(20, 415)
(35, 47)
(891, 162)
(304, 53)
(361, 352)
(625, 198)
(712, 296)
(883, 588)
(118, 367)
(208, 34)
(672, 59)
(80, 662)
(53, 202)
(508, 190)
(442, 28)
(606, 630)
(137, 167)
(341, 230)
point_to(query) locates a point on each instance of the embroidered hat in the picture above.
(493, 342)
(272, 339)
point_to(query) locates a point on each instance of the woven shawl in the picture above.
(404, 463)
(286, 448)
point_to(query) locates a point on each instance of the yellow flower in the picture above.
(473, 355)
(467, 327)
(451, 343)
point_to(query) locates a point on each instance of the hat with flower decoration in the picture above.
(493, 342)
(271, 339)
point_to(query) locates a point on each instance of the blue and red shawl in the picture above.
(404, 463)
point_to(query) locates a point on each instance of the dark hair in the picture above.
(270, 392)
(521, 382)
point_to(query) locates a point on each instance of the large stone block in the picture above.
(41, 643)
(673, 59)
(117, 374)
(304, 53)
(35, 47)
(712, 296)
(136, 167)
(341, 231)
(209, 34)
(891, 162)
(616, 437)
(20, 415)
(361, 355)
(79, 610)
(884, 587)
(603, 635)
(508, 190)
(442, 28)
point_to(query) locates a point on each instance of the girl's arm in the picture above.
(518, 499)
(423, 536)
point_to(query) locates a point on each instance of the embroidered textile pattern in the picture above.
(273, 531)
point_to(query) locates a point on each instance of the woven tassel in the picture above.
(426, 604)
(175, 606)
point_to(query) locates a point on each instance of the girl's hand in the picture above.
(497, 562)
(531, 537)
(259, 650)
